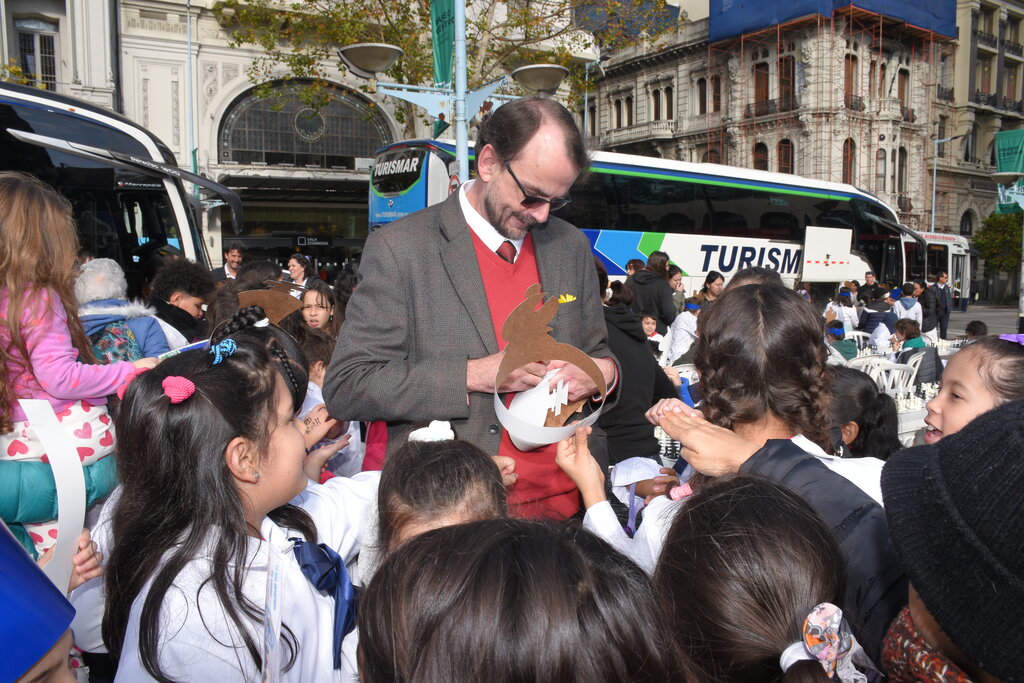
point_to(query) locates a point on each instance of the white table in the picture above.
(912, 426)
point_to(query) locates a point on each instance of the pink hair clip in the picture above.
(177, 388)
(132, 376)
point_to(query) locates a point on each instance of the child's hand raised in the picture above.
(507, 466)
(573, 456)
(316, 425)
(85, 565)
(317, 460)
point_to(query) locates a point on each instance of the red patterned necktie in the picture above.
(507, 251)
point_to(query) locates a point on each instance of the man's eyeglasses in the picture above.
(530, 201)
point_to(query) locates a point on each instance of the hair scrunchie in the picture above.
(826, 639)
(178, 388)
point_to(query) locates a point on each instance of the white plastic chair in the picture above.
(914, 363)
(893, 378)
(864, 363)
(862, 338)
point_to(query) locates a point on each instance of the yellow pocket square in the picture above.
(566, 298)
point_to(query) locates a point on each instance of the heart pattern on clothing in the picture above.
(85, 432)
(16, 448)
(84, 452)
(105, 419)
(52, 533)
(107, 440)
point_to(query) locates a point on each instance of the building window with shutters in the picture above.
(761, 157)
(785, 153)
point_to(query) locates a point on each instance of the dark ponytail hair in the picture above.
(744, 562)
(856, 398)
(759, 351)
(178, 498)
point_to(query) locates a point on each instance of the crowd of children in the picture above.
(238, 532)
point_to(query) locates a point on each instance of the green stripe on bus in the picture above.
(650, 241)
(720, 183)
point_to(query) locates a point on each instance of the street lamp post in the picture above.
(1008, 180)
(935, 171)
(543, 78)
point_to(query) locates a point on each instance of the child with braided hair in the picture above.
(767, 410)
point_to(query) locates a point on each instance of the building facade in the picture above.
(849, 98)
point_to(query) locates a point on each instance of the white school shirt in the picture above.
(196, 643)
(682, 335)
(866, 473)
(847, 315)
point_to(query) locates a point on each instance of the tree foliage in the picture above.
(300, 38)
(998, 241)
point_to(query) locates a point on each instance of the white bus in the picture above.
(707, 217)
(944, 253)
(123, 183)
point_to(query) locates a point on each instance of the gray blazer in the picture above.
(419, 313)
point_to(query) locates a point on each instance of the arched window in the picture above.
(656, 105)
(761, 157)
(702, 96)
(880, 171)
(849, 161)
(618, 113)
(669, 103)
(785, 152)
(592, 119)
(282, 130)
(716, 93)
(712, 156)
(967, 224)
(629, 110)
(901, 173)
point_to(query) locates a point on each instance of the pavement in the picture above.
(1000, 320)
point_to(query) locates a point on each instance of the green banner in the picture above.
(442, 24)
(1010, 159)
(1010, 151)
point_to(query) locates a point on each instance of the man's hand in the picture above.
(580, 383)
(480, 375)
(573, 456)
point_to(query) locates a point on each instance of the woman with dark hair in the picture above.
(509, 600)
(745, 563)
(300, 270)
(642, 382)
(714, 283)
(652, 292)
(865, 416)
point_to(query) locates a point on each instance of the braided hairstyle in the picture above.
(759, 352)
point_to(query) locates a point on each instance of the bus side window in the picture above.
(779, 225)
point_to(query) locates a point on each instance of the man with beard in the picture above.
(422, 334)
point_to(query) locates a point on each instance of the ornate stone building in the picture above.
(853, 97)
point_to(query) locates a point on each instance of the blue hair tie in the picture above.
(693, 307)
(846, 294)
(895, 294)
(223, 350)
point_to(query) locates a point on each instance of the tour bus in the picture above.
(945, 253)
(123, 183)
(705, 216)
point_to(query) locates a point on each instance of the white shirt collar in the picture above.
(491, 238)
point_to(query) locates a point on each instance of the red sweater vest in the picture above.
(543, 490)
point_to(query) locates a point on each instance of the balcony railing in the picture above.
(769, 107)
(1013, 48)
(943, 93)
(853, 102)
(908, 114)
(903, 203)
(982, 97)
(652, 130)
(987, 39)
(1012, 105)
